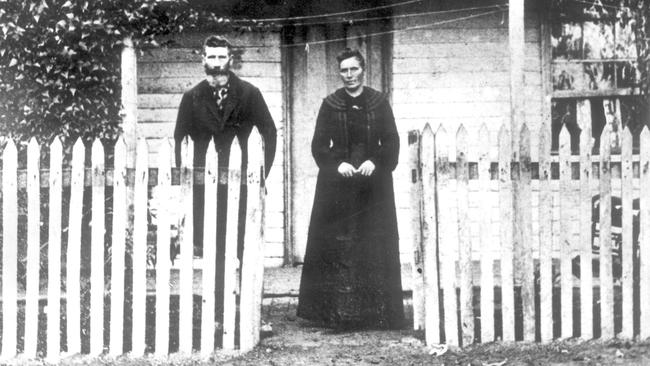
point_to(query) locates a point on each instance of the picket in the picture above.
(54, 252)
(644, 225)
(446, 242)
(97, 250)
(606, 278)
(252, 258)
(33, 249)
(566, 282)
(139, 277)
(118, 248)
(209, 250)
(545, 237)
(487, 262)
(416, 191)
(73, 285)
(9, 252)
(429, 253)
(232, 263)
(627, 255)
(586, 265)
(464, 241)
(526, 247)
(186, 239)
(506, 236)
(163, 263)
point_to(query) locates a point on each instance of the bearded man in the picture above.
(221, 107)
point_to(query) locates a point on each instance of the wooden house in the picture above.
(442, 62)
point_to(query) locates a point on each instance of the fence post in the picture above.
(606, 280)
(446, 241)
(54, 253)
(186, 238)
(209, 249)
(97, 251)
(129, 79)
(644, 235)
(506, 236)
(566, 279)
(9, 252)
(231, 262)
(429, 252)
(139, 263)
(253, 257)
(464, 240)
(418, 269)
(485, 237)
(627, 254)
(33, 248)
(586, 270)
(73, 292)
(524, 232)
(545, 237)
(118, 249)
(163, 263)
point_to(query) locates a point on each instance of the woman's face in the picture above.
(351, 73)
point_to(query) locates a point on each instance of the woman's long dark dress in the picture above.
(351, 272)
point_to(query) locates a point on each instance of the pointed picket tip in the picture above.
(627, 134)
(142, 151)
(483, 130)
(9, 149)
(564, 131)
(441, 131)
(78, 147)
(462, 131)
(211, 158)
(255, 147)
(97, 149)
(56, 147)
(645, 142)
(427, 131)
(32, 146)
(119, 152)
(235, 154)
(525, 131)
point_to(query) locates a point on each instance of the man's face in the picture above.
(216, 60)
(351, 73)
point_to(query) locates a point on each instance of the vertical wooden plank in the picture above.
(118, 249)
(9, 252)
(627, 254)
(545, 237)
(417, 272)
(33, 248)
(566, 279)
(231, 261)
(129, 98)
(140, 247)
(250, 303)
(487, 260)
(464, 240)
(517, 46)
(428, 255)
(525, 236)
(163, 263)
(186, 239)
(209, 250)
(606, 278)
(506, 236)
(54, 253)
(97, 251)
(257, 234)
(585, 210)
(446, 241)
(73, 265)
(644, 235)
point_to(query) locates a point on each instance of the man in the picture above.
(221, 107)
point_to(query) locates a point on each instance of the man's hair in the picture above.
(217, 41)
(349, 53)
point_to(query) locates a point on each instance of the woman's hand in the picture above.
(367, 168)
(346, 170)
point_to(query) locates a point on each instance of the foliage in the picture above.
(60, 61)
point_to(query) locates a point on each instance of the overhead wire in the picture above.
(392, 31)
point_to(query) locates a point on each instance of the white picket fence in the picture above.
(522, 229)
(242, 291)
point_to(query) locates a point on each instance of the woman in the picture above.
(351, 272)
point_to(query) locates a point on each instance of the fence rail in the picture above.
(107, 294)
(513, 249)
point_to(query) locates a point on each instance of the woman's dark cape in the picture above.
(351, 272)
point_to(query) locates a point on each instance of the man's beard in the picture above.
(215, 71)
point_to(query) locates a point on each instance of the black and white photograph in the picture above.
(325, 182)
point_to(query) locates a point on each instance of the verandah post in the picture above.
(9, 252)
(545, 215)
(566, 282)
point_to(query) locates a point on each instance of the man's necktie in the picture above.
(222, 93)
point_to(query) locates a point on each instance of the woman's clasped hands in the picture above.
(347, 170)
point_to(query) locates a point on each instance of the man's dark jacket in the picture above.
(243, 108)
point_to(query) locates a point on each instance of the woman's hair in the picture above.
(349, 53)
(217, 41)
